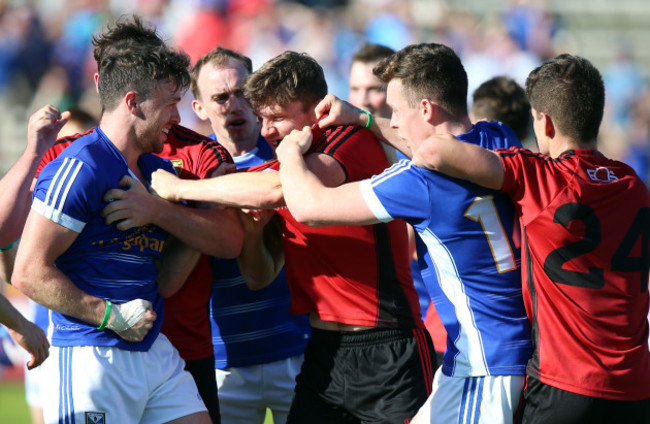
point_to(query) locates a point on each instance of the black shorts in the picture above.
(543, 404)
(378, 376)
(206, 381)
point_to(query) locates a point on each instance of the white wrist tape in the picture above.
(127, 315)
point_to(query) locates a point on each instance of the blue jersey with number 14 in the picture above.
(468, 258)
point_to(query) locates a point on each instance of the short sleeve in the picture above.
(401, 191)
(66, 192)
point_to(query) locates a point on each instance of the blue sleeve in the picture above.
(401, 191)
(67, 192)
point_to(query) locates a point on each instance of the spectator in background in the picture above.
(502, 99)
(366, 91)
(258, 344)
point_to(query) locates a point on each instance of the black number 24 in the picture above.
(621, 260)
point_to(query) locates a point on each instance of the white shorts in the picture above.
(111, 385)
(246, 392)
(32, 387)
(486, 400)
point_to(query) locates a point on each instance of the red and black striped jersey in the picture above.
(350, 274)
(585, 258)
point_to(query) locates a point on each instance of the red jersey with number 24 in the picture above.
(585, 257)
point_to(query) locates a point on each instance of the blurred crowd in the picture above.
(45, 50)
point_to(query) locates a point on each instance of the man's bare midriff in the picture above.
(316, 322)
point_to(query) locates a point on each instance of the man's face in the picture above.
(366, 90)
(158, 113)
(278, 121)
(222, 103)
(406, 119)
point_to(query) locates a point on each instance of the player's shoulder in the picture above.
(183, 137)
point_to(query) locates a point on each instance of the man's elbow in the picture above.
(230, 244)
(305, 216)
(21, 280)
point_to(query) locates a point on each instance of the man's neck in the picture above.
(240, 148)
(560, 144)
(123, 138)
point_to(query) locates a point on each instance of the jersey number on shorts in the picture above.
(484, 211)
(621, 260)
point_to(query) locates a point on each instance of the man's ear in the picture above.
(427, 109)
(197, 107)
(549, 126)
(131, 100)
(96, 78)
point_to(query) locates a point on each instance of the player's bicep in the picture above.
(43, 241)
(328, 170)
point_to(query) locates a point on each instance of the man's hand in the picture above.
(163, 184)
(132, 207)
(132, 320)
(43, 127)
(339, 113)
(31, 338)
(297, 140)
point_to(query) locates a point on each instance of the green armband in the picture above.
(8, 247)
(369, 123)
(107, 314)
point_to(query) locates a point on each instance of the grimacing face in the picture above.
(223, 104)
(278, 121)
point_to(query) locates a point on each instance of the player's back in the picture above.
(586, 240)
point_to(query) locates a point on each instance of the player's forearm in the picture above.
(254, 190)
(48, 286)
(175, 266)
(382, 130)
(447, 154)
(258, 264)
(9, 315)
(15, 196)
(215, 232)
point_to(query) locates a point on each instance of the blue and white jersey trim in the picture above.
(471, 359)
(373, 202)
(57, 194)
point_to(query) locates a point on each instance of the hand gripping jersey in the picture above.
(251, 327)
(102, 261)
(467, 256)
(351, 274)
(187, 324)
(586, 230)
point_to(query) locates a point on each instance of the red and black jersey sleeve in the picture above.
(355, 148)
(57, 148)
(193, 155)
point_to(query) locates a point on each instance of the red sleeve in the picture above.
(355, 148)
(56, 149)
(194, 156)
